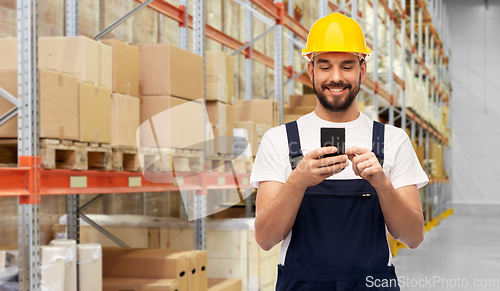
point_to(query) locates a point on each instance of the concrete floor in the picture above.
(464, 248)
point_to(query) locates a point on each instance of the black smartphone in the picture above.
(333, 137)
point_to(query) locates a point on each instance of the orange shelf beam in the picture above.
(14, 182)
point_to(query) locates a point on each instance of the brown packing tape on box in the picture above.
(135, 284)
(145, 264)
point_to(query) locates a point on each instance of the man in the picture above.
(333, 213)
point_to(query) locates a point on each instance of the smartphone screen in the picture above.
(333, 137)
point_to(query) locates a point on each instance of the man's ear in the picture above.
(363, 70)
(310, 69)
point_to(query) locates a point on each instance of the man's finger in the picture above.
(356, 151)
(322, 151)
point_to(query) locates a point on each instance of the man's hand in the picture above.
(366, 165)
(313, 169)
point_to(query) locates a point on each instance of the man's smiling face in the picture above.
(336, 79)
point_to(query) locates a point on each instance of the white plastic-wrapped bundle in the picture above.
(53, 261)
(89, 267)
(70, 246)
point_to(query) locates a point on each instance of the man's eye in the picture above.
(325, 68)
(347, 68)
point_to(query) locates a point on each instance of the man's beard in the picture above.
(337, 105)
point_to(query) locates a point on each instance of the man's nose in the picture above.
(336, 75)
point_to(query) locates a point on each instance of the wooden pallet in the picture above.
(162, 160)
(125, 158)
(71, 155)
(8, 153)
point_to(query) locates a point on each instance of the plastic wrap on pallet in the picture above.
(69, 245)
(53, 261)
(89, 267)
(9, 279)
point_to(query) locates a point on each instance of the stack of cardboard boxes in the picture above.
(124, 101)
(137, 269)
(171, 97)
(219, 76)
(75, 80)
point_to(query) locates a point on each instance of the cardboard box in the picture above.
(302, 110)
(8, 82)
(215, 74)
(125, 67)
(94, 113)
(192, 270)
(134, 284)
(8, 53)
(303, 100)
(58, 104)
(251, 127)
(202, 270)
(171, 126)
(219, 284)
(89, 60)
(165, 69)
(125, 119)
(145, 264)
(215, 64)
(89, 267)
(260, 111)
(216, 88)
(229, 78)
(222, 124)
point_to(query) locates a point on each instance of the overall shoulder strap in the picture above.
(294, 149)
(378, 138)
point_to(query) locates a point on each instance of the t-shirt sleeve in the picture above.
(268, 164)
(407, 169)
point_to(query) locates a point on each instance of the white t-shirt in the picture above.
(401, 164)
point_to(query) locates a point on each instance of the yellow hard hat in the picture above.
(336, 33)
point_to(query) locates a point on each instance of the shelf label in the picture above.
(134, 182)
(244, 181)
(221, 180)
(179, 181)
(78, 182)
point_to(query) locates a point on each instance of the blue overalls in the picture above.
(339, 238)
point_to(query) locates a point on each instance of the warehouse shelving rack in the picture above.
(30, 182)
